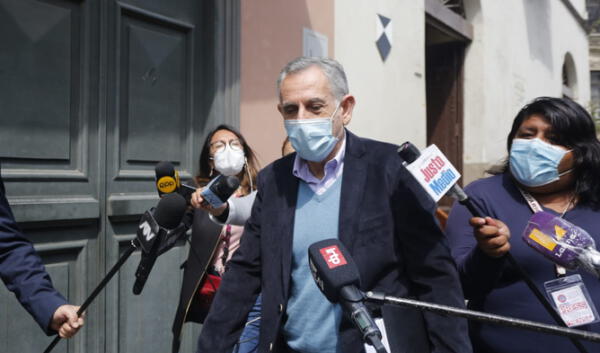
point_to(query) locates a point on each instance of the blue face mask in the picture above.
(534, 162)
(312, 139)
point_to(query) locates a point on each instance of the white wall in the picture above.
(390, 95)
(517, 55)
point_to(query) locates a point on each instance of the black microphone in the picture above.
(167, 181)
(337, 276)
(219, 190)
(409, 153)
(167, 178)
(153, 231)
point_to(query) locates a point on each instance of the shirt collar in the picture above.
(332, 167)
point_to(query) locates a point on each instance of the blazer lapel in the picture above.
(287, 187)
(353, 186)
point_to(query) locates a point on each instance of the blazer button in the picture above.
(271, 347)
(280, 308)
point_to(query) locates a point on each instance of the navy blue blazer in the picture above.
(22, 271)
(386, 222)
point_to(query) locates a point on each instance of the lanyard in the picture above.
(535, 206)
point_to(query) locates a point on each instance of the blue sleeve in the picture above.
(478, 272)
(22, 271)
(240, 209)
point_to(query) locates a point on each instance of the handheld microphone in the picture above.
(153, 231)
(337, 277)
(562, 242)
(407, 152)
(167, 181)
(410, 153)
(219, 190)
(167, 178)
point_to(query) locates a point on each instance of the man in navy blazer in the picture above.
(335, 185)
(22, 271)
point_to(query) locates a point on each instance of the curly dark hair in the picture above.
(574, 128)
(247, 175)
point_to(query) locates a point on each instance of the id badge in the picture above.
(572, 300)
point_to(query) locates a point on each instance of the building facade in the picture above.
(95, 93)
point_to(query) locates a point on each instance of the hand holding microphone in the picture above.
(437, 176)
(157, 228)
(197, 201)
(492, 236)
(213, 197)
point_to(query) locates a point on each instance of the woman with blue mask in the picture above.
(553, 165)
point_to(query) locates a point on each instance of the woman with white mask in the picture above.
(553, 165)
(225, 152)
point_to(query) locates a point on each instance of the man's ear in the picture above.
(348, 103)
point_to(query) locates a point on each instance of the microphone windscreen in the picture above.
(170, 210)
(332, 267)
(226, 187)
(557, 239)
(220, 189)
(167, 179)
(409, 152)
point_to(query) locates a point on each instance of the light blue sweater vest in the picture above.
(313, 322)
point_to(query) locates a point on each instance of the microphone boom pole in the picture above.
(132, 246)
(380, 298)
(167, 210)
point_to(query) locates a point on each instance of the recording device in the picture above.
(219, 190)
(156, 230)
(167, 181)
(562, 242)
(337, 277)
(411, 154)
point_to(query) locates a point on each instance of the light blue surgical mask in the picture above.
(534, 162)
(312, 139)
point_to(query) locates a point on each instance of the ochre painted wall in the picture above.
(271, 37)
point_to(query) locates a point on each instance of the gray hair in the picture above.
(332, 69)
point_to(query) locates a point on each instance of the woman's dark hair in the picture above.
(572, 127)
(247, 175)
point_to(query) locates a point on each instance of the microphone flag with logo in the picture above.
(562, 242)
(153, 230)
(167, 178)
(331, 269)
(337, 276)
(168, 181)
(434, 172)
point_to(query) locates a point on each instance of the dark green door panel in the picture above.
(92, 94)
